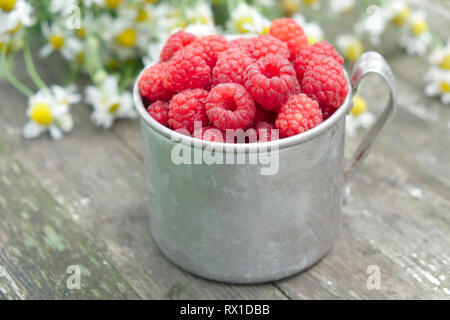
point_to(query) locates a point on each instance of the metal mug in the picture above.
(233, 224)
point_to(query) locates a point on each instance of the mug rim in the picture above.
(282, 143)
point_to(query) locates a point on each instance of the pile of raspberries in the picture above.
(274, 81)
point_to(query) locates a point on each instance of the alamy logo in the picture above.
(187, 151)
(374, 279)
(74, 280)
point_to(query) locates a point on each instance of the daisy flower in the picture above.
(14, 14)
(397, 11)
(108, 103)
(312, 30)
(47, 113)
(169, 18)
(374, 24)
(415, 37)
(341, 6)
(438, 84)
(61, 40)
(359, 117)
(200, 14)
(123, 35)
(350, 46)
(247, 19)
(441, 57)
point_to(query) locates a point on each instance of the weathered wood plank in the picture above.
(38, 243)
(96, 178)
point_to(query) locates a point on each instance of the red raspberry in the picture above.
(327, 111)
(262, 115)
(271, 81)
(151, 83)
(210, 47)
(299, 114)
(261, 46)
(176, 41)
(211, 133)
(266, 131)
(186, 70)
(304, 57)
(159, 110)
(241, 43)
(325, 81)
(230, 66)
(288, 31)
(230, 106)
(187, 107)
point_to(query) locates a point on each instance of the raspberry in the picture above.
(305, 56)
(210, 47)
(262, 115)
(241, 43)
(230, 106)
(261, 46)
(176, 41)
(187, 107)
(265, 133)
(159, 111)
(299, 114)
(230, 66)
(211, 133)
(325, 81)
(327, 111)
(271, 81)
(151, 83)
(288, 31)
(186, 70)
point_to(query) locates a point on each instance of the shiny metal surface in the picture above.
(228, 222)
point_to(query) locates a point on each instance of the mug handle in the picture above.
(372, 62)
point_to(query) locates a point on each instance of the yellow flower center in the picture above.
(81, 33)
(57, 41)
(445, 64)
(445, 86)
(127, 38)
(113, 108)
(7, 5)
(242, 22)
(151, 1)
(290, 7)
(359, 106)
(419, 27)
(354, 50)
(310, 2)
(200, 20)
(16, 29)
(266, 30)
(113, 4)
(142, 16)
(42, 114)
(402, 16)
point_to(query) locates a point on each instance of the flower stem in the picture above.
(30, 66)
(13, 80)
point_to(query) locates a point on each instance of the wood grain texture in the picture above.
(38, 244)
(89, 189)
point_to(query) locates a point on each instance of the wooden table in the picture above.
(82, 201)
